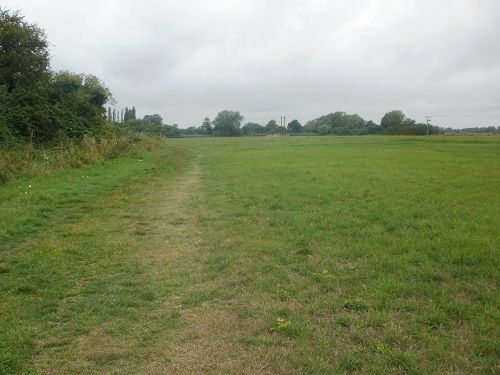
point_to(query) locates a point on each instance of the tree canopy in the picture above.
(339, 123)
(294, 126)
(227, 123)
(395, 122)
(36, 102)
(79, 101)
(24, 53)
(253, 128)
(153, 124)
(393, 119)
(272, 127)
(206, 126)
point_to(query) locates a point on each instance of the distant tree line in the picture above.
(153, 124)
(228, 123)
(477, 130)
(149, 124)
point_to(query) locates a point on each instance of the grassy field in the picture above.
(265, 255)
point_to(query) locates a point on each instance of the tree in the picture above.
(24, 54)
(393, 119)
(371, 128)
(78, 101)
(6, 135)
(324, 129)
(24, 79)
(337, 119)
(171, 131)
(227, 123)
(310, 127)
(98, 91)
(40, 104)
(190, 130)
(354, 121)
(272, 127)
(206, 126)
(154, 120)
(333, 120)
(129, 114)
(395, 122)
(253, 128)
(295, 126)
(152, 124)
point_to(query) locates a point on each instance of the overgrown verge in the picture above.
(69, 272)
(28, 160)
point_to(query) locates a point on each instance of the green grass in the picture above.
(65, 267)
(310, 255)
(381, 252)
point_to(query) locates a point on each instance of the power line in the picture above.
(283, 123)
(428, 119)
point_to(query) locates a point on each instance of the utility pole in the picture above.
(428, 119)
(282, 123)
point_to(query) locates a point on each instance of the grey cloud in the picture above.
(301, 58)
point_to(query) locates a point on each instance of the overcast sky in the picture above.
(189, 59)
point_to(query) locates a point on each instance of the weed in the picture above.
(281, 324)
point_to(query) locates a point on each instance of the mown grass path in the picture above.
(85, 265)
(257, 256)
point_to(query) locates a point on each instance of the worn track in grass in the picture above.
(150, 229)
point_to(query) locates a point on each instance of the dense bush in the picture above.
(38, 105)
